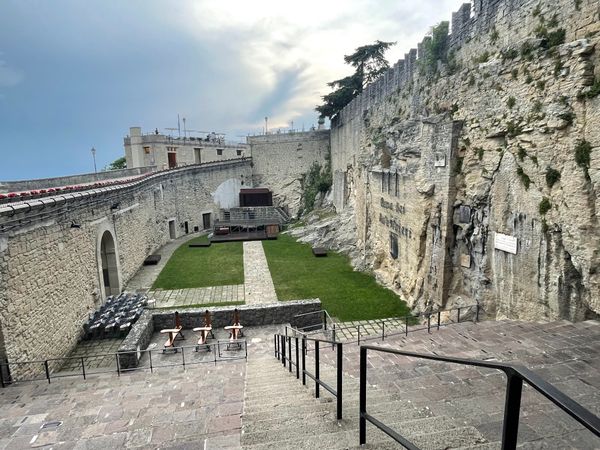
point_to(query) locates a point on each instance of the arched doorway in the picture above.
(109, 268)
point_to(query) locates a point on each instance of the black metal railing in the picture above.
(150, 359)
(515, 375)
(389, 327)
(295, 355)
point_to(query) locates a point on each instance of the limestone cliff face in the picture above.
(480, 182)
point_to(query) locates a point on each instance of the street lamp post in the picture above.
(94, 156)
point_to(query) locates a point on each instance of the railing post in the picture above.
(358, 328)
(118, 365)
(439, 316)
(429, 322)
(150, 357)
(333, 336)
(477, 312)
(458, 318)
(83, 367)
(324, 321)
(283, 350)
(512, 408)
(317, 368)
(290, 352)
(2, 375)
(339, 381)
(275, 345)
(47, 371)
(406, 325)
(382, 331)
(303, 360)
(362, 405)
(297, 360)
(183, 356)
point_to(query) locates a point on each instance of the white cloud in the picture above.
(275, 58)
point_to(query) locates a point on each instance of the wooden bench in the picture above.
(173, 334)
(152, 260)
(200, 244)
(319, 251)
(235, 332)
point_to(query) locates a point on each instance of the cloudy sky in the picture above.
(77, 74)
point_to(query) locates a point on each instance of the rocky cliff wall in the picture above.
(497, 202)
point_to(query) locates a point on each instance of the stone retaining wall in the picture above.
(250, 316)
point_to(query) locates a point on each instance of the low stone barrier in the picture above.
(250, 316)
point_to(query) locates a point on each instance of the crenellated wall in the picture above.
(510, 113)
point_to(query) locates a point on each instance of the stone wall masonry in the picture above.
(281, 160)
(50, 275)
(250, 316)
(524, 110)
(71, 180)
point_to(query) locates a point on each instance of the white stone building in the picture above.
(163, 151)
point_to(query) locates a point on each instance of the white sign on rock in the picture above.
(505, 243)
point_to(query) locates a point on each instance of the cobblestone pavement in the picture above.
(86, 350)
(258, 284)
(212, 294)
(198, 407)
(143, 280)
(349, 331)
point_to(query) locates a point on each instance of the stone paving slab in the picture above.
(258, 283)
(166, 298)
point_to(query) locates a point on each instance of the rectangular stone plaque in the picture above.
(505, 243)
(440, 160)
(465, 261)
(464, 214)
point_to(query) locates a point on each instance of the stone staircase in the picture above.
(435, 405)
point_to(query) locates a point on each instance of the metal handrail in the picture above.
(280, 341)
(515, 374)
(336, 328)
(47, 374)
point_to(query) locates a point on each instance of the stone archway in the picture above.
(108, 265)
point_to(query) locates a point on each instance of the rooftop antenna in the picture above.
(266, 125)
(184, 131)
(178, 126)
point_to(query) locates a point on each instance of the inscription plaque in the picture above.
(505, 243)
(440, 160)
(465, 261)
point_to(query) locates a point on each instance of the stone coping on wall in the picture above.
(250, 315)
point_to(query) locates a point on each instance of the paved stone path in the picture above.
(197, 296)
(143, 280)
(258, 284)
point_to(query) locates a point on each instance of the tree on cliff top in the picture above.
(369, 62)
(118, 163)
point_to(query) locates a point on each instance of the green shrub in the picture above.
(537, 107)
(317, 179)
(483, 58)
(521, 153)
(528, 79)
(494, 35)
(527, 49)
(513, 129)
(524, 178)
(583, 150)
(537, 10)
(511, 102)
(545, 206)
(471, 80)
(567, 116)
(514, 73)
(510, 53)
(552, 176)
(480, 151)
(534, 159)
(541, 85)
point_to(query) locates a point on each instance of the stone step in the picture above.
(310, 441)
(272, 418)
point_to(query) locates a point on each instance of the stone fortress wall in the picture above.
(462, 167)
(51, 261)
(280, 160)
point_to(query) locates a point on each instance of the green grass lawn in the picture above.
(217, 265)
(344, 293)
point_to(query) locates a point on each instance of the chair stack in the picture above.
(115, 317)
